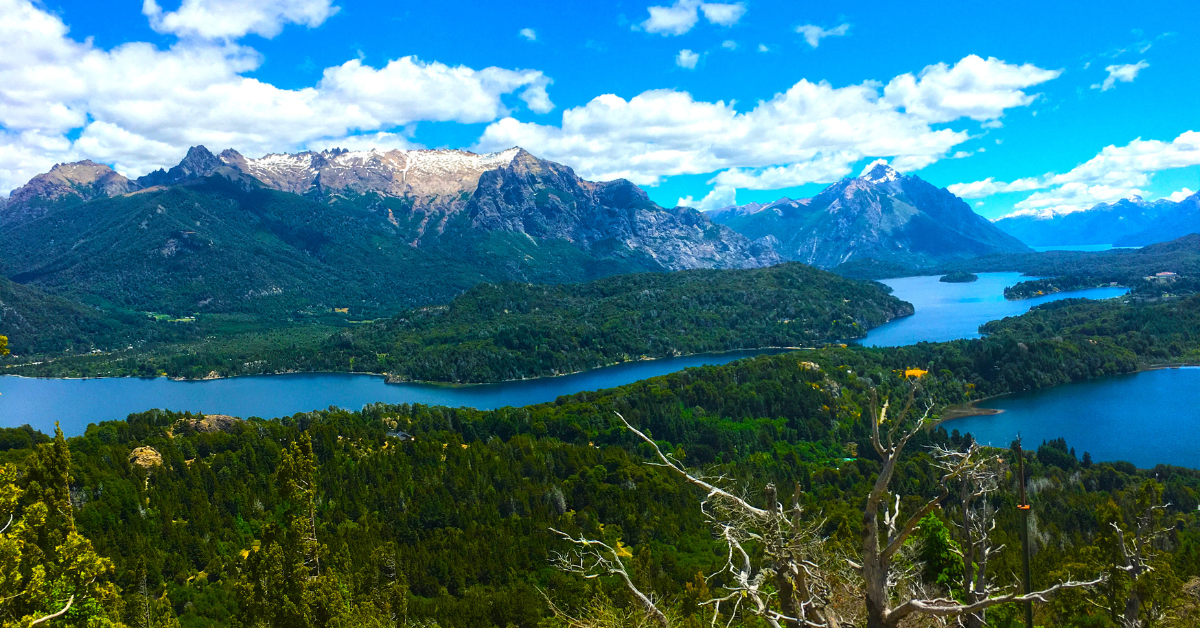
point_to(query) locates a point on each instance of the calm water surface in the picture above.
(78, 402)
(1073, 247)
(949, 311)
(1146, 418)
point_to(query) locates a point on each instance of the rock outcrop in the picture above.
(146, 457)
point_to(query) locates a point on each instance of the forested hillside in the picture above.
(414, 514)
(38, 323)
(506, 331)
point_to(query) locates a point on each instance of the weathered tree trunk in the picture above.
(1133, 608)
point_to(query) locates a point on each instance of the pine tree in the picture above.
(48, 571)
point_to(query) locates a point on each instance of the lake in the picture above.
(1146, 418)
(1073, 247)
(949, 311)
(78, 402)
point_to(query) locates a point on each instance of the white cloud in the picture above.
(989, 186)
(529, 34)
(729, 44)
(976, 88)
(813, 132)
(687, 59)
(1116, 172)
(216, 19)
(1175, 197)
(723, 14)
(139, 107)
(680, 17)
(819, 168)
(763, 48)
(720, 196)
(814, 34)
(1123, 73)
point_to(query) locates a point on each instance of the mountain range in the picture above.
(881, 215)
(371, 231)
(1127, 222)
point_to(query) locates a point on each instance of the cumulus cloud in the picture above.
(680, 17)
(814, 34)
(729, 44)
(1123, 73)
(1116, 172)
(529, 34)
(720, 196)
(976, 88)
(763, 48)
(813, 132)
(139, 107)
(989, 186)
(723, 14)
(687, 59)
(1175, 197)
(215, 19)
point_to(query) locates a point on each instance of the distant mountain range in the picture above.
(881, 215)
(1127, 222)
(373, 231)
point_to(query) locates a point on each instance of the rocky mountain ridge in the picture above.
(881, 214)
(371, 232)
(437, 191)
(421, 174)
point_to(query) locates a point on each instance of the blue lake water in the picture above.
(1146, 418)
(78, 402)
(949, 311)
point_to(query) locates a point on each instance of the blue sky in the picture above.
(1008, 105)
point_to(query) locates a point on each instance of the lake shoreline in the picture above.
(752, 352)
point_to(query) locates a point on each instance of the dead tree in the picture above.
(790, 586)
(884, 535)
(593, 558)
(977, 481)
(1137, 553)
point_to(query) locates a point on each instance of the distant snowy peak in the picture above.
(776, 206)
(880, 173)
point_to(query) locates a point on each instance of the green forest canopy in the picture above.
(420, 513)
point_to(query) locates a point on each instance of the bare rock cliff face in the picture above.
(545, 200)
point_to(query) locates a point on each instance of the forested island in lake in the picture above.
(959, 277)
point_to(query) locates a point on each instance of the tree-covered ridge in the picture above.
(496, 332)
(509, 331)
(415, 514)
